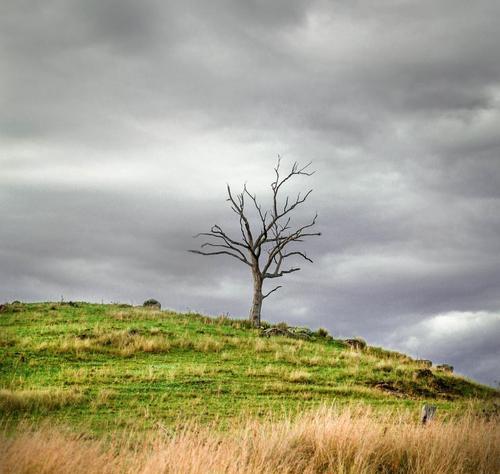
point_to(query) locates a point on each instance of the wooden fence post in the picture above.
(428, 412)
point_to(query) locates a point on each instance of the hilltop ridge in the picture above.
(118, 365)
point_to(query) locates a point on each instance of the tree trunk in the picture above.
(256, 308)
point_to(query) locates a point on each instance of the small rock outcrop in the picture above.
(296, 333)
(445, 368)
(301, 332)
(357, 343)
(152, 303)
(424, 362)
(422, 374)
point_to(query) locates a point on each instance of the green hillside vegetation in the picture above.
(109, 367)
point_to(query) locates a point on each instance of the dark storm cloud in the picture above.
(121, 122)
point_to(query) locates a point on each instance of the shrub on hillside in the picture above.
(322, 332)
(152, 303)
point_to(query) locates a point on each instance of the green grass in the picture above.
(113, 366)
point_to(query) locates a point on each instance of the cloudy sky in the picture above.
(122, 121)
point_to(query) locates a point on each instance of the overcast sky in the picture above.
(122, 121)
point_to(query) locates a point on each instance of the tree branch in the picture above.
(279, 274)
(272, 291)
(275, 186)
(220, 252)
(282, 241)
(218, 233)
(239, 208)
(301, 254)
(242, 255)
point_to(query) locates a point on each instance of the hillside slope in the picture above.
(116, 366)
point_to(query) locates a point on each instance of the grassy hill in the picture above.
(115, 366)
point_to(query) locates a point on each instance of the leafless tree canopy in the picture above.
(264, 247)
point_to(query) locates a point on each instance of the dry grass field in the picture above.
(324, 440)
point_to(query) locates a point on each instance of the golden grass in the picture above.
(299, 376)
(127, 343)
(117, 342)
(208, 344)
(104, 397)
(131, 314)
(323, 441)
(42, 399)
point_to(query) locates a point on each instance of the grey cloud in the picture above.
(191, 57)
(121, 122)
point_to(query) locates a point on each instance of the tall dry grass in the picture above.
(323, 441)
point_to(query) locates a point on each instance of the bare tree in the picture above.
(266, 246)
